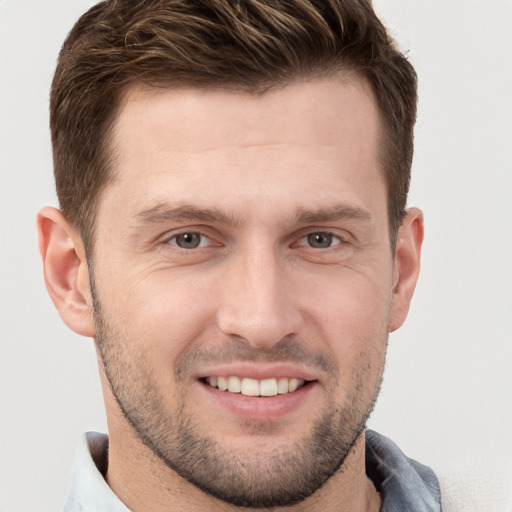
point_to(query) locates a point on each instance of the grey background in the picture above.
(447, 396)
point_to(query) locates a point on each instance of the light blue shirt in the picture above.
(405, 485)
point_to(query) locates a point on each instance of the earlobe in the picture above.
(65, 270)
(407, 265)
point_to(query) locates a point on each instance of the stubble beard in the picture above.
(283, 477)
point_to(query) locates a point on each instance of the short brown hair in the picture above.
(250, 45)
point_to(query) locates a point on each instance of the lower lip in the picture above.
(261, 407)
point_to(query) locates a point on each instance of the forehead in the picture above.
(313, 110)
(228, 147)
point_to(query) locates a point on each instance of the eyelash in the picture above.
(336, 236)
(204, 237)
(172, 240)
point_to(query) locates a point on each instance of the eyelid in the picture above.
(168, 238)
(203, 240)
(335, 234)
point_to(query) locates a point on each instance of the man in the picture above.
(233, 179)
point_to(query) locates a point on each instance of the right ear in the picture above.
(66, 272)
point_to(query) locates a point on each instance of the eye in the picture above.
(320, 240)
(191, 240)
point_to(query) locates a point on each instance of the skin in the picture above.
(255, 176)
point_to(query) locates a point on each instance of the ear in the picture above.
(407, 266)
(66, 273)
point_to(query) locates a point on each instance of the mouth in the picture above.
(254, 387)
(251, 393)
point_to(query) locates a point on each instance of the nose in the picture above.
(257, 302)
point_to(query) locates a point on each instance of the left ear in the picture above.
(407, 266)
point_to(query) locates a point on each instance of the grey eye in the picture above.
(188, 240)
(320, 240)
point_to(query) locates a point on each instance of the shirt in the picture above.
(404, 484)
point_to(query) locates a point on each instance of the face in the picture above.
(244, 244)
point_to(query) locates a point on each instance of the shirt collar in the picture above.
(88, 490)
(404, 484)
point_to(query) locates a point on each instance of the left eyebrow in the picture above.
(338, 212)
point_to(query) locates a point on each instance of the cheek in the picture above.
(348, 303)
(351, 315)
(160, 314)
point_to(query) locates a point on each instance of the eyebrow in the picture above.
(337, 212)
(167, 213)
(185, 212)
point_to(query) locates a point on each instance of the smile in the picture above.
(254, 387)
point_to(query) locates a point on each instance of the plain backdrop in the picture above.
(447, 394)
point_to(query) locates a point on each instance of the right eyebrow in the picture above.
(164, 212)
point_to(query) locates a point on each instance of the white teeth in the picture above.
(234, 385)
(253, 387)
(250, 387)
(222, 383)
(282, 386)
(293, 384)
(268, 387)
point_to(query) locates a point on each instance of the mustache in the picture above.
(287, 350)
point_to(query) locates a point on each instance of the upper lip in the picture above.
(258, 372)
